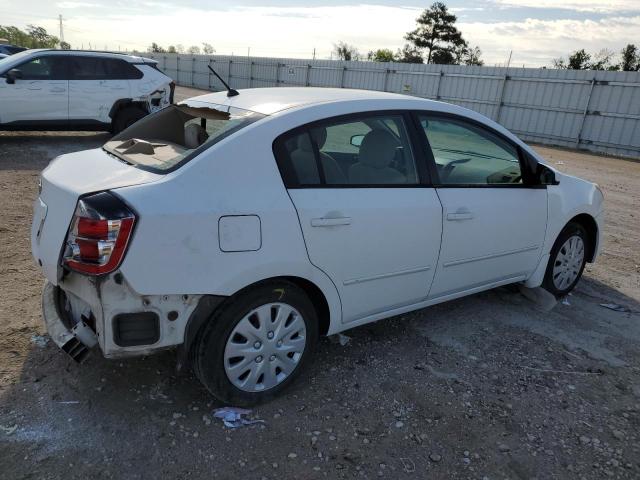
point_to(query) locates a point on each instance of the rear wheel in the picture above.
(567, 260)
(126, 117)
(256, 344)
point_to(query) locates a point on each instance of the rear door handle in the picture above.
(460, 214)
(58, 90)
(330, 222)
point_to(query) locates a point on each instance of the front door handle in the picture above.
(58, 90)
(330, 222)
(460, 214)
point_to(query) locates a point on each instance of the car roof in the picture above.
(96, 53)
(268, 101)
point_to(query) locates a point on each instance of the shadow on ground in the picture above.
(485, 385)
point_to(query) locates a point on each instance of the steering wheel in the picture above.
(448, 168)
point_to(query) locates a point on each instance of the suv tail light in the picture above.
(99, 234)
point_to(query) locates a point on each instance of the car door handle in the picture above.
(330, 222)
(58, 90)
(460, 214)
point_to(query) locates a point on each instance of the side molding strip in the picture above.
(487, 257)
(385, 275)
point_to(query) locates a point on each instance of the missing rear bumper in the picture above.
(76, 340)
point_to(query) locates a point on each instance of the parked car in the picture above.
(8, 49)
(242, 228)
(78, 90)
(2, 55)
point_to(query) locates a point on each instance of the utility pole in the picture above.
(61, 29)
(314, 53)
(509, 61)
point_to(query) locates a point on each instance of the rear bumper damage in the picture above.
(83, 312)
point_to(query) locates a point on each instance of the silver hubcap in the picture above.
(568, 262)
(265, 347)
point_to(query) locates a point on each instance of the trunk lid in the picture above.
(67, 178)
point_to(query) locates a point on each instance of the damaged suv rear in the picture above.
(79, 90)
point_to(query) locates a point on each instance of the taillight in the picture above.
(99, 234)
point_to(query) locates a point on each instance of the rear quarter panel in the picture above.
(175, 248)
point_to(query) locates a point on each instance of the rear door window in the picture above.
(96, 68)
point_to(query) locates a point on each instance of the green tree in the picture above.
(194, 50)
(207, 48)
(65, 46)
(344, 51)
(603, 61)
(437, 34)
(472, 56)
(33, 37)
(630, 58)
(171, 49)
(409, 54)
(155, 48)
(380, 55)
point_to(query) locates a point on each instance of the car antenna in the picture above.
(230, 91)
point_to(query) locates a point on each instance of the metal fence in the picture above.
(591, 110)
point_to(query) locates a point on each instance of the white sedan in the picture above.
(240, 227)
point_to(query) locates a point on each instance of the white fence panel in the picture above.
(597, 111)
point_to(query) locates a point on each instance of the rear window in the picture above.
(166, 140)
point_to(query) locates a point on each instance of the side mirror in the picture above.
(12, 75)
(356, 140)
(545, 175)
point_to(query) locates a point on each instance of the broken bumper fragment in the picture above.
(75, 340)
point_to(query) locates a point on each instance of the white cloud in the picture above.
(597, 6)
(537, 42)
(296, 31)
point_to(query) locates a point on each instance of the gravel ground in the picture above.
(489, 386)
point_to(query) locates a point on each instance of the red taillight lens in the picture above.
(99, 235)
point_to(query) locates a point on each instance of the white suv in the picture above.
(242, 227)
(79, 90)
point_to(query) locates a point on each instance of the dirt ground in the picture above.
(489, 386)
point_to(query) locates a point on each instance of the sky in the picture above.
(536, 31)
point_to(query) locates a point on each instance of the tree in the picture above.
(436, 32)
(179, 48)
(472, 56)
(380, 55)
(65, 45)
(194, 50)
(582, 60)
(409, 54)
(155, 48)
(630, 58)
(33, 37)
(344, 51)
(171, 49)
(603, 61)
(207, 48)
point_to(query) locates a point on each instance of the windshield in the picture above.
(166, 140)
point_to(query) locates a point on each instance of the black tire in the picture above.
(208, 350)
(572, 229)
(126, 117)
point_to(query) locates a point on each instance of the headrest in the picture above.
(378, 149)
(194, 135)
(319, 135)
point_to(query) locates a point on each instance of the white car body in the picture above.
(68, 89)
(225, 220)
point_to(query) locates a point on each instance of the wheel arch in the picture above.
(124, 103)
(209, 304)
(590, 225)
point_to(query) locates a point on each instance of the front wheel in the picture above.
(256, 344)
(567, 260)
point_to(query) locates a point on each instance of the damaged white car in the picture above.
(79, 90)
(241, 227)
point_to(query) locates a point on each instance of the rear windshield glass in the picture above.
(166, 140)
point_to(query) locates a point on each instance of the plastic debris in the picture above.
(8, 430)
(565, 301)
(343, 340)
(232, 417)
(39, 340)
(560, 162)
(615, 307)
